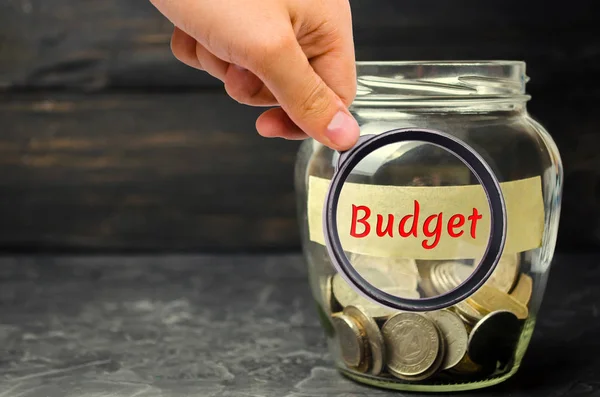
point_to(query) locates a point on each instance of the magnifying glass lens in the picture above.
(413, 220)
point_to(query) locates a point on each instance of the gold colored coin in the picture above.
(488, 299)
(467, 312)
(523, 290)
(505, 275)
(466, 366)
(412, 343)
(455, 335)
(373, 335)
(351, 338)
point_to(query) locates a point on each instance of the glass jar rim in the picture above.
(464, 62)
(423, 83)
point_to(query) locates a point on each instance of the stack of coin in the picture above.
(504, 290)
(467, 339)
(360, 340)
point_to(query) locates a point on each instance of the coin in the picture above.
(351, 338)
(467, 312)
(444, 279)
(454, 273)
(461, 272)
(446, 276)
(488, 299)
(454, 333)
(523, 290)
(425, 283)
(373, 335)
(466, 366)
(439, 280)
(329, 301)
(432, 370)
(439, 283)
(506, 273)
(494, 338)
(412, 343)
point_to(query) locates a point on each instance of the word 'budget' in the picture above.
(433, 226)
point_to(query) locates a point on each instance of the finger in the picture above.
(187, 50)
(178, 12)
(337, 64)
(308, 101)
(213, 65)
(275, 123)
(183, 47)
(338, 71)
(243, 86)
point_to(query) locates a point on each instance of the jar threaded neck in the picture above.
(441, 83)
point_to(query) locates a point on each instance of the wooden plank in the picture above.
(180, 171)
(189, 172)
(92, 45)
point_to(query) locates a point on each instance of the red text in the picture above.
(434, 225)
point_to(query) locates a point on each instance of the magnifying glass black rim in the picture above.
(485, 176)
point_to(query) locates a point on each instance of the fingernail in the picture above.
(342, 130)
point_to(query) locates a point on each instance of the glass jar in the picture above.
(428, 258)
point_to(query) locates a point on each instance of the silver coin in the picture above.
(425, 283)
(329, 301)
(432, 370)
(412, 343)
(351, 340)
(373, 335)
(454, 333)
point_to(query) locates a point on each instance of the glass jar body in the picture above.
(516, 148)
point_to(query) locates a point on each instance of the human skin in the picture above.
(294, 56)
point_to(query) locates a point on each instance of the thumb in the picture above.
(304, 96)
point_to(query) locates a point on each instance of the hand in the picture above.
(295, 54)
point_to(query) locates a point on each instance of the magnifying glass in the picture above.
(357, 235)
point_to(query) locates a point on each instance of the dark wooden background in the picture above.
(107, 143)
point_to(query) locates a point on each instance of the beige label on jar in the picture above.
(439, 222)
